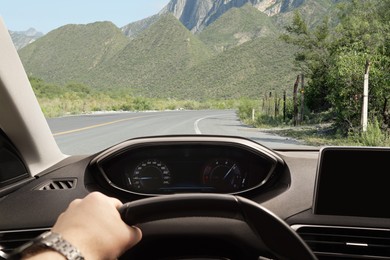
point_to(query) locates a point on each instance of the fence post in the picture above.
(302, 96)
(365, 98)
(295, 116)
(284, 106)
(269, 104)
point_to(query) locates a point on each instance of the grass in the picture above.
(72, 104)
(316, 130)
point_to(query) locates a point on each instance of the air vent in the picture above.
(64, 184)
(346, 243)
(9, 240)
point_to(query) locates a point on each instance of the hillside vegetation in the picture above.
(166, 60)
(249, 70)
(314, 12)
(237, 26)
(152, 59)
(70, 53)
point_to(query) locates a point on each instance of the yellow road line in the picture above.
(98, 125)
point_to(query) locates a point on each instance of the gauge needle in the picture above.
(230, 170)
(147, 178)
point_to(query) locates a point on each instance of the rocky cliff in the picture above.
(22, 38)
(196, 15)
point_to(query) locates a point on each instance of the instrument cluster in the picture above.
(167, 168)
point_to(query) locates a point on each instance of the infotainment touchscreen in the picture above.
(353, 182)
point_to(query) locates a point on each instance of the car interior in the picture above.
(193, 196)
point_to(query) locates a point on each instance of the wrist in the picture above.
(84, 244)
(42, 254)
(48, 243)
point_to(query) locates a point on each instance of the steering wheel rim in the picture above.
(275, 236)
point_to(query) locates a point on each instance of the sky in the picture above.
(46, 15)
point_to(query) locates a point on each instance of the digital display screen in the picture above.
(353, 182)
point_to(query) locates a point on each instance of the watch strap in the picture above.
(57, 243)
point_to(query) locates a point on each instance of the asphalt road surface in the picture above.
(87, 134)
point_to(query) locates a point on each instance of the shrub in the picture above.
(374, 136)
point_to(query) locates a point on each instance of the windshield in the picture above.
(288, 74)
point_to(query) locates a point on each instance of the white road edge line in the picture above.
(196, 127)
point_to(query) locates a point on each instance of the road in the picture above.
(87, 134)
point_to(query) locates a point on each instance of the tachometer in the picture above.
(149, 176)
(224, 175)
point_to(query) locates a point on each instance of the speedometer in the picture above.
(224, 175)
(150, 176)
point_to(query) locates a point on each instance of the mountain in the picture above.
(163, 58)
(23, 38)
(313, 11)
(162, 51)
(70, 52)
(132, 30)
(196, 15)
(237, 26)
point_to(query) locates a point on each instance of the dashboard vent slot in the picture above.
(9, 240)
(65, 184)
(347, 243)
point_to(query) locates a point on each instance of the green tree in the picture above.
(334, 60)
(79, 89)
(362, 35)
(44, 89)
(312, 58)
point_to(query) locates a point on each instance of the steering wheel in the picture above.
(210, 226)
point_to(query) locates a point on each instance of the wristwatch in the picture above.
(47, 240)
